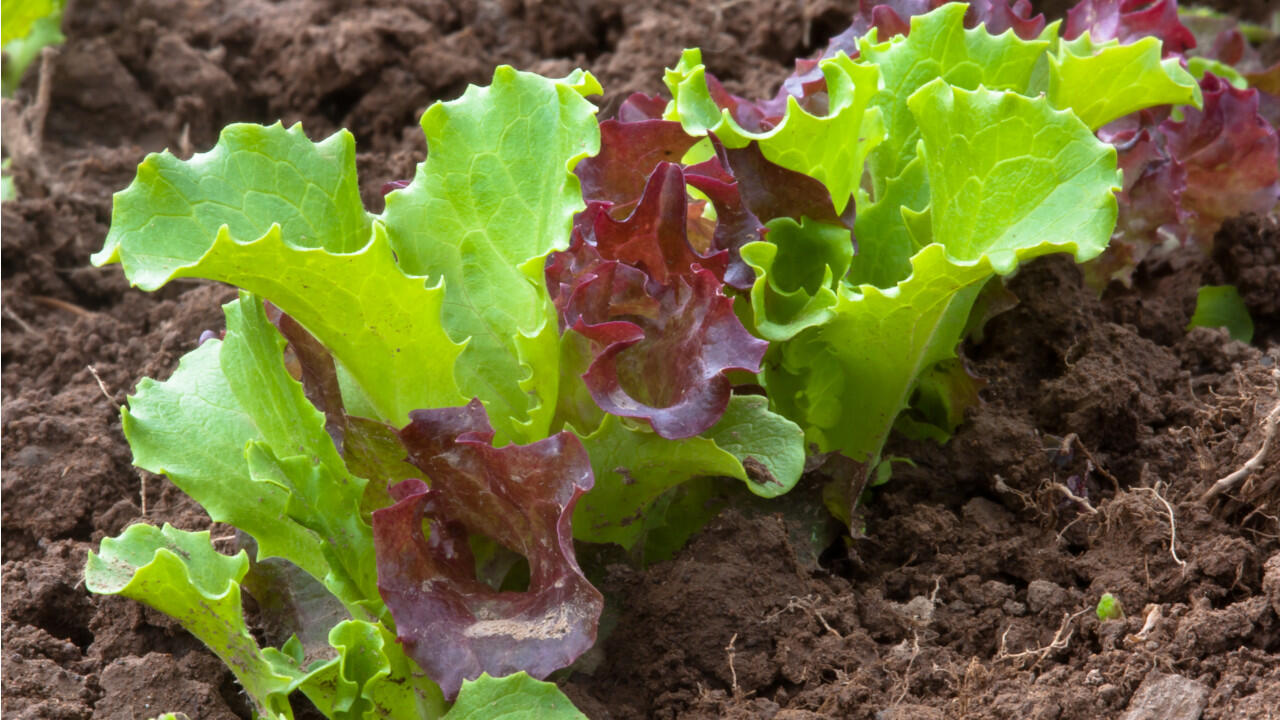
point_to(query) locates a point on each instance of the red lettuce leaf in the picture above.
(522, 497)
(639, 106)
(317, 373)
(1130, 20)
(746, 189)
(1230, 156)
(1151, 211)
(646, 291)
(667, 366)
(1184, 178)
(735, 224)
(807, 84)
(999, 16)
(452, 623)
(627, 167)
(1150, 201)
(662, 333)
(1228, 46)
(894, 18)
(392, 185)
(654, 237)
(628, 153)
(751, 116)
(771, 191)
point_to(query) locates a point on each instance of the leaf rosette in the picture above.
(979, 154)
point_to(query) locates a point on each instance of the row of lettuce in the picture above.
(560, 329)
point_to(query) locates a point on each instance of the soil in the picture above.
(969, 590)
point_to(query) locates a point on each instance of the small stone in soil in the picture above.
(1167, 697)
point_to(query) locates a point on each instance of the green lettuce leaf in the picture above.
(1011, 178)
(847, 380)
(678, 514)
(181, 575)
(769, 446)
(494, 197)
(1102, 82)
(28, 26)
(939, 46)
(942, 395)
(196, 403)
(633, 466)
(798, 267)
(383, 326)
(234, 431)
(831, 148)
(1222, 306)
(514, 697)
(884, 256)
(296, 452)
(19, 16)
(254, 178)
(370, 678)
(646, 484)
(1199, 66)
(293, 231)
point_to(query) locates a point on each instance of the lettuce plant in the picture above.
(979, 153)
(382, 374)
(559, 329)
(391, 322)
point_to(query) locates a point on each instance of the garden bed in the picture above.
(969, 590)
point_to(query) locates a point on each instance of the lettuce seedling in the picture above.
(389, 319)
(382, 375)
(979, 154)
(1109, 608)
